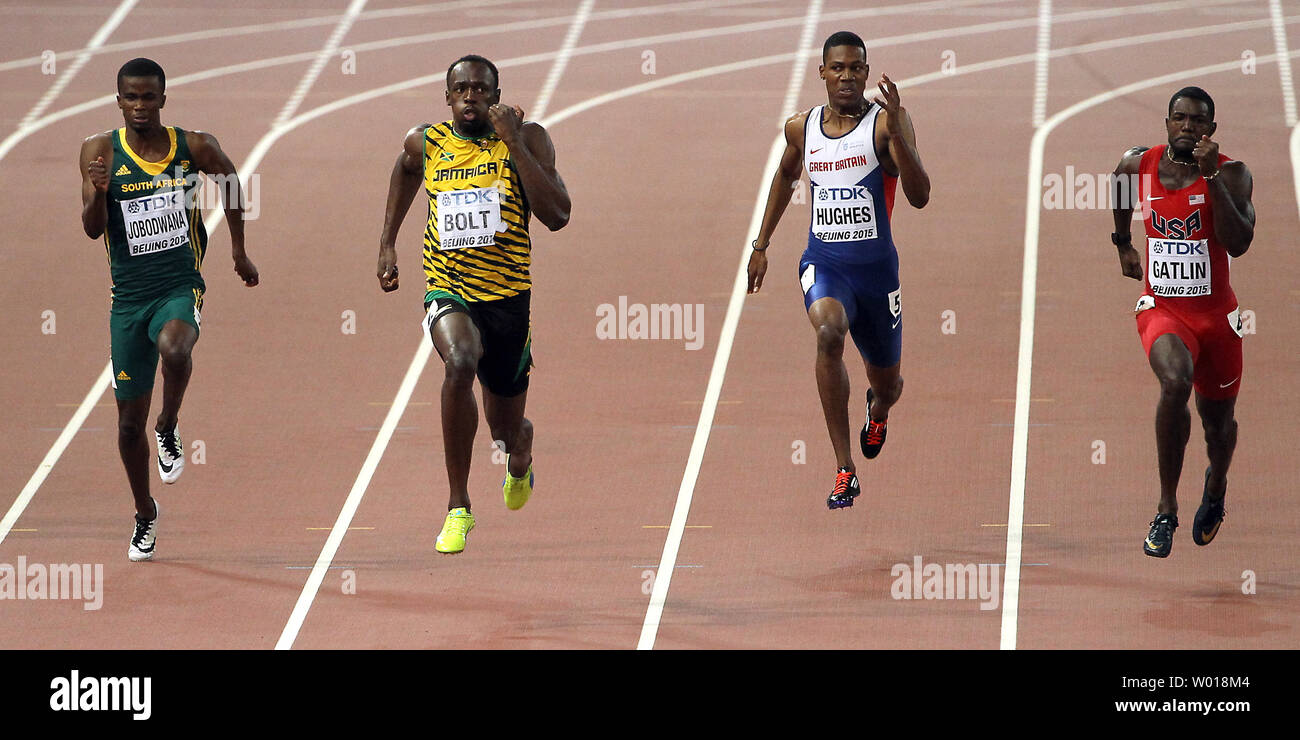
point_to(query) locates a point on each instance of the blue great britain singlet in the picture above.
(852, 196)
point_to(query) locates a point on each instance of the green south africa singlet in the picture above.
(155, 236)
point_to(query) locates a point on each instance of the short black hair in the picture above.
(496, 78)
(1195, 93)
(141, 67)
(843, 38)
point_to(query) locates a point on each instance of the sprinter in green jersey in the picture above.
(139, 187)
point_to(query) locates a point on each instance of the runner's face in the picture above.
(470, 90)
(1187, 123)
(845, 72)
(141, 99)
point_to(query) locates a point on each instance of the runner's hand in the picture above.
(246, 270)
(506, 121)
(892, 105)
(1206, 154)
(387, 272)
(98, 174)
(757, 269)
(1130, 262)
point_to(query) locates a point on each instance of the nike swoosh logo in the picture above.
(1207, 536)
(816, 150)
(1230, 382)
(1156, 197)
(167, 467)
(896, 323)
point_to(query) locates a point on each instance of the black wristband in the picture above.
(1125, 240)
(754, 246)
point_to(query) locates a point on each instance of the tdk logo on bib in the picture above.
(461, 198)
(1178, 248)
(160, 202)
(844, 194)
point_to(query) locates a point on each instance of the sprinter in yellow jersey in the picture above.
(138, 188)
(486, 172)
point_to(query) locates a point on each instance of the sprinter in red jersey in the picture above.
(1197, 211)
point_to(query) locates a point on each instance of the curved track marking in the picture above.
(97, 390)
(413, 372)
(29, 122)
(1028, 294)
(218, 33)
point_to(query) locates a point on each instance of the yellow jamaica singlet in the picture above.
(476, 244)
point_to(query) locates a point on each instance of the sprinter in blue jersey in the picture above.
(856, 151)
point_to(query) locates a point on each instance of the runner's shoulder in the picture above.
(199, 141)
(414, 141)
(99, 141)
(1131, 160)
(794, 127)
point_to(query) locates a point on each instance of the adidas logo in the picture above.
(123, 376)
(122, 171)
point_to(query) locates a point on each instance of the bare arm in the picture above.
(96, 158)
(403, 184)
(1125, 198)
(1234, 214)
(212, 161)
(902, 146)
(533, 155)
(778, 196)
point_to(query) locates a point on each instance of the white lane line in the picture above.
(685, 492)
(97, 390)
(573, 110)
(1024, 361)
(61, 80)
(1284, 65)
(562, 61)
(1042, 62)
(52, 457)
(326, 52)
(215, 218)
(323, 561)
(232, 31)
(359, 486)
(743, 28)
(29, 122)
(258, 64)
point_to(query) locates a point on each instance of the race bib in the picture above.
(1178, 268)
(156, 223)
(469, 218)
(844, 214)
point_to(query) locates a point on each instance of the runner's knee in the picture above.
(1175, 388)
(462, 363)
(129, 428)
(173, 355)
(830, 339)
(1220, 433)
